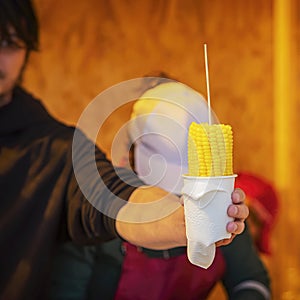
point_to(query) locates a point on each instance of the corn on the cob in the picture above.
(210, 150)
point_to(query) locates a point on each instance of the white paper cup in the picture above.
(206, 200)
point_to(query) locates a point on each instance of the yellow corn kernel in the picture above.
(210, 149)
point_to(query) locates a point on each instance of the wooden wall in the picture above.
(87, 46)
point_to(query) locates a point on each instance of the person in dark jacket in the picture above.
(42, 203)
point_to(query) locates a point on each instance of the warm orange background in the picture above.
(87, 46)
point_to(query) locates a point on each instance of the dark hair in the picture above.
(20, 15)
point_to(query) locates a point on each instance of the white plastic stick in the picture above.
(207, 84)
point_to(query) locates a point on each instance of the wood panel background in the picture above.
(88, 46)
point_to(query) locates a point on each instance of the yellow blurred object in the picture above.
(210, 150)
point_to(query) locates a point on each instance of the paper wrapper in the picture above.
(206, 200)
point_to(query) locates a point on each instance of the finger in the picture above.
(236, 227)
(225, 242)
(238, 196)
(240, 211)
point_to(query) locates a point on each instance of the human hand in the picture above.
(239, 211)
(164, 229)
(169, 232)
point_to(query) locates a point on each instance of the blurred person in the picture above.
(158, 131)
(41, 201)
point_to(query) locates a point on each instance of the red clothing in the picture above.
(150, 275)
(145, 278)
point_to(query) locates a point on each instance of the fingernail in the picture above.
(233, 210)
(232, 227)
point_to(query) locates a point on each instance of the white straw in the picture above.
(207, 84)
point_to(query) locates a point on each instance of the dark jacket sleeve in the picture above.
(96, 192)
(246, 276)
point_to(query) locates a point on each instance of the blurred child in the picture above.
(158, 132)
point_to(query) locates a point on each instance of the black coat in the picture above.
(40, 200)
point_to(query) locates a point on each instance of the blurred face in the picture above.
(12, 59)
